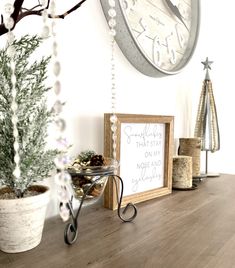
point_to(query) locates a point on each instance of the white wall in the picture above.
(85, 56)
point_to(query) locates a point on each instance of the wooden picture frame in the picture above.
(145, 152)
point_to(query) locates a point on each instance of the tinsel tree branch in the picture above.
(21, 12)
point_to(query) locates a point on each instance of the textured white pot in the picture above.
(22, 221)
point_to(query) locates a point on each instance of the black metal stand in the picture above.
(71, 229)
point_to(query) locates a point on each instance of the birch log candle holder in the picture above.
(191, 147)
(182, 172)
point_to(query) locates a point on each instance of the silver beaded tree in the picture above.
(207, 127)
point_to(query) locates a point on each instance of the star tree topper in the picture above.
(207, 66)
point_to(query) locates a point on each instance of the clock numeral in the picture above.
(180, 37)
(127, 5)
(144, 27)
(185, 11)
(170, 50)
(156, 50)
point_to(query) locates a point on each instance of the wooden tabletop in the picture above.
(182, 230)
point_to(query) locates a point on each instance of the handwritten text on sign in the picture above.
(142, 156)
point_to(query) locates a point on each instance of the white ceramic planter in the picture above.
(22, 221)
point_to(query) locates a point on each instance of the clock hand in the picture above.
(176, 12)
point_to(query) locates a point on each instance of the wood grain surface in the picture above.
(183, 230)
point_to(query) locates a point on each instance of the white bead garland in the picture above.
(113, 119)
(9, 23)
(62, 178)
(45, 29)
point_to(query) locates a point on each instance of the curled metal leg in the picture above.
(71, 229)
(70, 233)
(121, 214)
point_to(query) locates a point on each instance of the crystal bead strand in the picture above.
(113, 118)
(45, 29)
(9, 23)
(62, 178)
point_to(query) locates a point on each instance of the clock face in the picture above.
(157, 36)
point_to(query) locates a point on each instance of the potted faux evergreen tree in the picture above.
(22, 202)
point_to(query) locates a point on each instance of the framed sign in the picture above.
(144, 151)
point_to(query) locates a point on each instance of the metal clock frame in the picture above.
(132, 50)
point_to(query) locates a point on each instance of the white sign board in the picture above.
(144, 147)
(142, 156)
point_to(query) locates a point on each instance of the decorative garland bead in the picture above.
(112, 3)
(64, 212)
(11, 53)
(56, 68)
(62, 178)
(10, 37)
(15, 133)
(60, 124)
(9, 23)
(13, 95)
(112, 32)
(66, 177)
(112, 12)
(53, 29)
(17, 158)
(13, 79)
(44, 15)
(58, 106)
(63, 195)
(112, 23)
(8, 8)
(53, 8)
(59, 178)
(113, 118)
(57, 87)
(12, 64)
(114, 128)
(16, 146)
(62, 143)
(14, 107)
(17, 172)
(55, 47)
(14, 119)
(61, 161)
(45, 31)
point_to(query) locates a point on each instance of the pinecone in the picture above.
(97, 160)
(84, 158)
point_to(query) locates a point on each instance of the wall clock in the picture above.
(157, 36)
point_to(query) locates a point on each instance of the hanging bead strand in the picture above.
(113, 118)
(45, 28)
(62, 178)
(9, 23)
